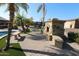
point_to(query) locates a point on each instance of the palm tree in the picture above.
(12, 8)
(43, 8)
(21, 18)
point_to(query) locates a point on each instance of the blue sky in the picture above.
(63, 11)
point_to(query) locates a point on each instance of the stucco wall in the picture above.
(48, 24)
(58, 27)
(69, 24)
(55, 27)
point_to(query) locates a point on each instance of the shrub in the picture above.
(72, 36)
(27, 30)
(77, 40)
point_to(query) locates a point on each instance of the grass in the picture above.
(14, 50)
(2, 42)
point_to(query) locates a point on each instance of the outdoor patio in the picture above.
(36, 44)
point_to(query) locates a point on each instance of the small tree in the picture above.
(12, 8)
(20, 20)
(28, 21)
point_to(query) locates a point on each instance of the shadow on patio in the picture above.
(67, 51)
(61, 53)
(39, 52)
(37, 37)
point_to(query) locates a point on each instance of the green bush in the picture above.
(72, 36)
(77, 40)
(27, 30)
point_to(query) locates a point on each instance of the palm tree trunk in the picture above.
(43, 5)
(11, 11)
(22, 24)
(43, 13)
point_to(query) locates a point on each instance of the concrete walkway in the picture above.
(36, 44)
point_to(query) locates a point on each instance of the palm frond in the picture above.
(39, 8)
(44, 9)
(22, 5)
(16, 8)
(2, 4)
(18, 16)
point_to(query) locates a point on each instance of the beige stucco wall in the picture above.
(67, 24)
(55, 41)
(52, 27)
(58, 27)
(64, 25)
(48, 24)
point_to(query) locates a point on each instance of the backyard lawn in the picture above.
(2, 42)
(14, 50)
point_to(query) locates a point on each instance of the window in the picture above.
(47, 29)
(71, 26)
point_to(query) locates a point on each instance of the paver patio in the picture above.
(35, 44)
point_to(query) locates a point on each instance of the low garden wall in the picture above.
(57, 41)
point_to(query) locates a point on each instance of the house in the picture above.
(73, 23)
(60, 27)
(54, 27)
(3, 23)
(55, 30)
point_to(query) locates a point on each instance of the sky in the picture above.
(62, 11)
